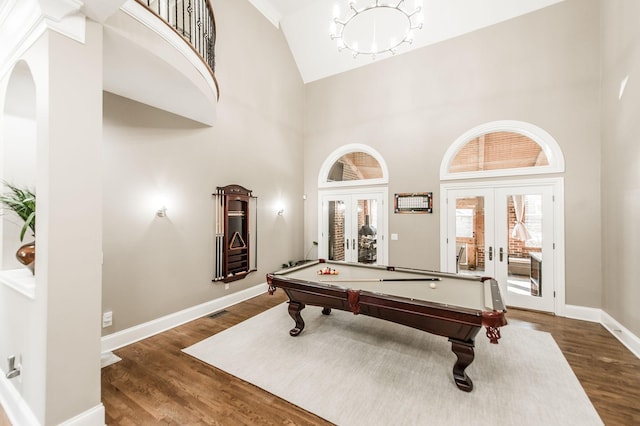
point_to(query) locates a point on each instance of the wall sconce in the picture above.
(158, 204)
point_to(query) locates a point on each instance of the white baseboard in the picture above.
(582, 313)
(19, 412)
(14, 405)
(108, 358)
(91, 417)
(626, 337)
(131, 335)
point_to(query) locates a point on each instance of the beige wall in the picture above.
(70, 213)
(540, 68)
(157, 266)
(55, 335)
(621, 161)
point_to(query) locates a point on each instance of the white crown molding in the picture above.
(134, 334)
(22, 22)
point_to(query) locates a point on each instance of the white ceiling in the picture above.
(305, 25)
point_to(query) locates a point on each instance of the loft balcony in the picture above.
(156, 52)
(161, 53)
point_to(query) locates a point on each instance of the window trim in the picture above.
(346, 149)
(546, 142)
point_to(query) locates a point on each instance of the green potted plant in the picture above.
(22, 201)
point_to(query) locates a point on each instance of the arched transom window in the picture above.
(502, 148)
(498, 150)
(354, 164)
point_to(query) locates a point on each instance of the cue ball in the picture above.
(432, 285)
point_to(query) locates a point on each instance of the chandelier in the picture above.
(374, 27)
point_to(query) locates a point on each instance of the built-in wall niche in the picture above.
(235, 233)
(18, 147)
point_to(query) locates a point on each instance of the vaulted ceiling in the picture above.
(305, 25)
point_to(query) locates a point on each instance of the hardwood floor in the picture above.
(155, 383)
(607, 370)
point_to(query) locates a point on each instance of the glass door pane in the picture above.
(524, 233)
(470, 235)
(367, 220)
(336, 231)
(352, 227)
(507, 233)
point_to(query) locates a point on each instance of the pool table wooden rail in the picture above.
(460, 325)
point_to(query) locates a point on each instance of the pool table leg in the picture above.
(294, 312)
(464, 352)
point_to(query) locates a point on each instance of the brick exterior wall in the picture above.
(498, 150)
(336, 229)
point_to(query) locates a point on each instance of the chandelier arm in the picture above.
(418, 10)
(354, 48)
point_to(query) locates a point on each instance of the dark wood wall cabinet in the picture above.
(235, 233)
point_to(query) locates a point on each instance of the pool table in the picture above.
(450, 305)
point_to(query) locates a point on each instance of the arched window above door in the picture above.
(353, 165)
(502, 148)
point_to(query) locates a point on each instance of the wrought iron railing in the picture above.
(193, 20)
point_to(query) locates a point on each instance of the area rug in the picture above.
(357, 370)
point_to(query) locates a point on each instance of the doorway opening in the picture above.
(504, 228)
(352, 217)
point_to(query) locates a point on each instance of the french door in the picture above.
(508, 231)
(353, 226)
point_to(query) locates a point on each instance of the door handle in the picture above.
(347, 243)
(354, 243)
(491, 253)
(501, 254)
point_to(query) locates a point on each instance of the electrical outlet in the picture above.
(107, 319)
(226, 286)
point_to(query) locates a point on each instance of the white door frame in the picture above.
(363, 192)
(558, 217)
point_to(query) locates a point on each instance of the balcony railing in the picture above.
(193, 20)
